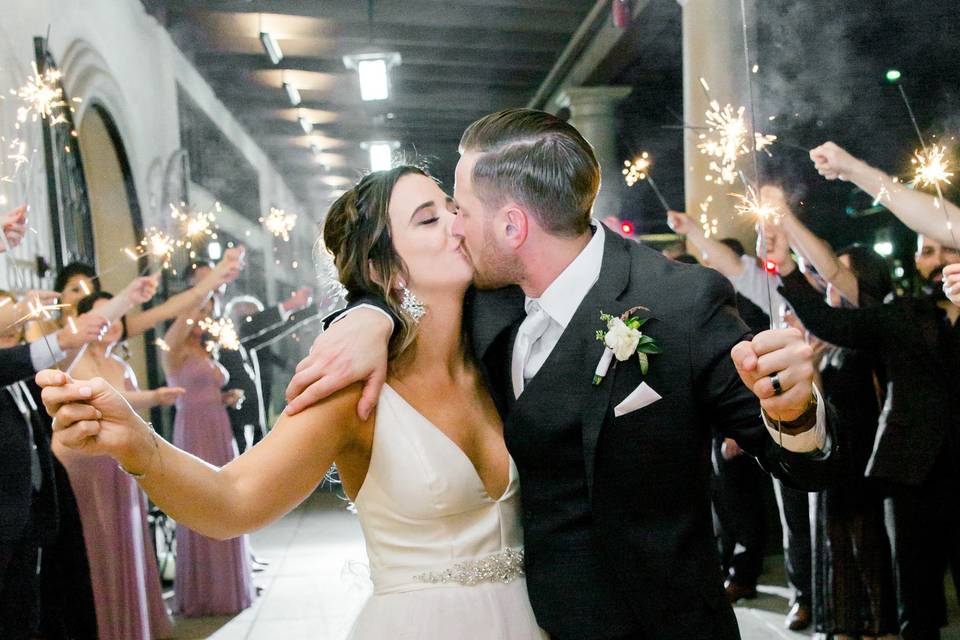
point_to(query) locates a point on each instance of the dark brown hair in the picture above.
(357, 232)
(539, 161)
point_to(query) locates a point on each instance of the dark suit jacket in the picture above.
(648, 472)
(908, 335)
(16, 490)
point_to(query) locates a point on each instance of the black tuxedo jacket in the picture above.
(16, 490)
(647, 473)
(920, 416)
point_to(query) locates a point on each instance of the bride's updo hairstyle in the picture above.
(357, 233)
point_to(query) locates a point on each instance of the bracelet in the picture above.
(156, 447)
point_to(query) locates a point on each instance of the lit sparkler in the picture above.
(195, 224)
(223, 332)
(639, 169)
(43, 98)
(162, 344)
(159, 246)
(750, 204)
(932, 168)
(279, 223)
(727, 140)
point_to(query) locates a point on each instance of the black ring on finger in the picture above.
(775, 381)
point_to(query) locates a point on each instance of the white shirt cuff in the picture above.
(284, 314)
(814, 439)
(363, 306)
(40, 353)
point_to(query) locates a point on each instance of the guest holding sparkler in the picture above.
(77, 280)
(126, 584)
(916, 454)
(213, 576)
(922, 212)
(752, 281)
(854, 592)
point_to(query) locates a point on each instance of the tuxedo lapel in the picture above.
(605, 297)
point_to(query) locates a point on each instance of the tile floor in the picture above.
(315, 584)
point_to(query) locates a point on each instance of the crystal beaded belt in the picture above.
(505, 566)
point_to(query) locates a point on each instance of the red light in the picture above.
(626, 228)
(771, 266)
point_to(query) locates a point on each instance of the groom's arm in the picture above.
(806, 460)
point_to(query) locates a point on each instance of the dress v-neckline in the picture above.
(452, 443)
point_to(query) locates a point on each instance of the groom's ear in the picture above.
(516, 225)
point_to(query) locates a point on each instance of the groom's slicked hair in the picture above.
(539, 161)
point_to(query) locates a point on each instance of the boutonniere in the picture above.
(622, 339)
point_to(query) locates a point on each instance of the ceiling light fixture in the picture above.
(373, 70)
(381, 153)
(305, 124)
(270, 44)
(292, 93)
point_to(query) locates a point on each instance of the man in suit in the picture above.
(28, 498)
(615, 474)
(916, 455)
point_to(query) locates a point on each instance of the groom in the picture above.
(615, 471)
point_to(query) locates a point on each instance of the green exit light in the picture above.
(893, 75)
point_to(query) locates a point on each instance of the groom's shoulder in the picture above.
(650, 269)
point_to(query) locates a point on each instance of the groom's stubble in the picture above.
(494, 268)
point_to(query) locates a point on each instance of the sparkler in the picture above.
(932, 167)
(43, 98)
(726, 140)
(751, 204)
(639, 169)
(195, 225)
(223, 332)
(162, 344)
(157, 245)
(279, 223)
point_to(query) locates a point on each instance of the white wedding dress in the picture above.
(446, 559)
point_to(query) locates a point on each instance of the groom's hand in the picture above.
(782, 353)
(352, 349)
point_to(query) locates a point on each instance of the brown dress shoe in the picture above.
(799, 617)
(736, 591)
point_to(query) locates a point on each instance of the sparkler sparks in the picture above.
(161, 343)
(36, 310)
(932, 168)
(727, 140)
(223, 332)
(750, 204)
(43, 98)
(159, 246)
(710, 225)
(639, 169)
(195, 224)
(279, 223)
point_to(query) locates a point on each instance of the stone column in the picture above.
(592, 112)
(712, 50)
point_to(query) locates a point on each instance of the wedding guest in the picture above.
(213, 576)
(916, 454)
(853, 582)
(752, 281)
(113, 511)
(28, 501)
(922, 212)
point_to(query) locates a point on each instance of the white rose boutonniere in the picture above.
(622, 339)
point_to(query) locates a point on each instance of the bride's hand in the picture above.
(350, 350)
(92, 417)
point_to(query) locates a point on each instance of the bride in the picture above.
(435, 489)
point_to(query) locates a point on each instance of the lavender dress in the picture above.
(213, 576)
(123, 564)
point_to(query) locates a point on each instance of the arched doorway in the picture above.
(115, 216)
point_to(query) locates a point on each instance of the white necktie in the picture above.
(531, 330)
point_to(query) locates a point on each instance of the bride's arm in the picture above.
(251, 491)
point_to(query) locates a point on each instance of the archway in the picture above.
(115, 212)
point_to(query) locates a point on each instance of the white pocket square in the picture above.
(640, 397)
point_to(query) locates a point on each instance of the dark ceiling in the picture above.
(461, 59)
